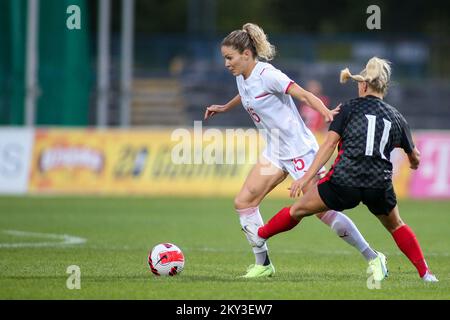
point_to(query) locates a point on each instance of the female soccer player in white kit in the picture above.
(266, 94)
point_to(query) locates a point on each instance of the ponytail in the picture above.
(251, 37)
(264, 49)
(377, 74)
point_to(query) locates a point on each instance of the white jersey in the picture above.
(263, 95)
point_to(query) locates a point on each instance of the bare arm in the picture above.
(311, 100)
(414, 158)
(323, 155)
(215, 108)
(408, 145)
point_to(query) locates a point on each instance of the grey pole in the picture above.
(103, 62)
(126, 65)
(32, 62)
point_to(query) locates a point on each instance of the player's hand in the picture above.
(414, 166)
(297, 187)
(212, 110)
(414, 159)
(332, 113)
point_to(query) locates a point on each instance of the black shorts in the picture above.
(336, 197)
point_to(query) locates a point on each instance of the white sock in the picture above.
(344, 227)
(252, 215)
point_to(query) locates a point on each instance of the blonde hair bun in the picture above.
(377, 74)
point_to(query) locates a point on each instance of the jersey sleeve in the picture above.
(406, 142)
(339, 120)
(276, 81)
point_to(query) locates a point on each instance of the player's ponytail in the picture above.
(251, 37)
(377, 74)
(264, 49)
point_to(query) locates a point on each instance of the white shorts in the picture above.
(296, 167)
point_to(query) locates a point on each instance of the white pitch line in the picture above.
(65, 239)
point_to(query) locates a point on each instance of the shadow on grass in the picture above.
(227, 276)
(279, 277)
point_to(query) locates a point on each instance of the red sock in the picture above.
(280, 222)
(408, 244)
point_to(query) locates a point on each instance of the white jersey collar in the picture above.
(256, 69)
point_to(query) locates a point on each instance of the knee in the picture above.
(249, 198)
(240, 203)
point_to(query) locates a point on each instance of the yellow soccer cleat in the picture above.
(379, 267)
(259, 271)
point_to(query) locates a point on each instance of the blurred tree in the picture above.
(152, 16)
(348, 16)
(233, 14)
(174, 19)
(159, 16)
(430, 17)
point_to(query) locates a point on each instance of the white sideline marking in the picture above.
(65, 239)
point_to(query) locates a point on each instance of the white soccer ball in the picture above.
(166, 259)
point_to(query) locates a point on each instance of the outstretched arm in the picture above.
(215, 108)
(311, 100)
(323, 155)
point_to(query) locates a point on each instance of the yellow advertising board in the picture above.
(148, 162)
(124, 162)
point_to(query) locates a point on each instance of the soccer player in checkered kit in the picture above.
(266, 94)
(366, 130)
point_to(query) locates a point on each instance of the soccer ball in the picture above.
(166, 259)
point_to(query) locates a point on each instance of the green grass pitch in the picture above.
(311, 262)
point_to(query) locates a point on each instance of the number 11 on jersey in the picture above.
(371, 135)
